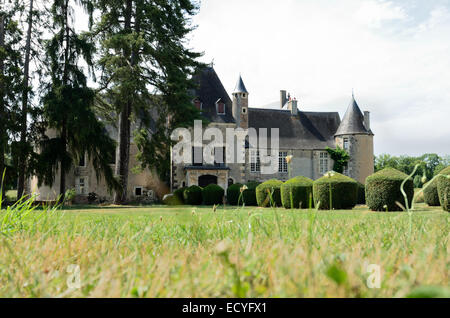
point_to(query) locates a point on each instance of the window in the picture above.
(82, 162)
(197, 156)
(346, 143)
(137, 191)
(244, 110)
(255, 163)
(81, 185)
(230, 182)
(323, 162)
(219, 156)
(220, 106)
(282, 163)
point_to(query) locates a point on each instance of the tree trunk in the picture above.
(23, 129)
(122, 164)
(3, 135)
(62, 180)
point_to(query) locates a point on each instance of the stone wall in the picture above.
(360, 149)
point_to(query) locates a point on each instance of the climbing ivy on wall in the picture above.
(340, 158)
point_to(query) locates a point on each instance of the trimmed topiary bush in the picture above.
(344, 191)
(301, 189)
(249, 195)
(192, 195)
(171, 199)
(443, 187)
(383, 190)
(213, 194)
(179, 194)
(233, 193)
(430, 193)
(262, 196)
(361, 194)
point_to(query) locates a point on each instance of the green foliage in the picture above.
(298, 190)
(430, 193)
(10, 80)
(69, 195)
(443, 187)
(68, 105)
(340, 157)
(192, 195)
(172, 199)
(233, 194)
(179, 193)
(152, 53)
(361, 194)
(249, 195)
(262, 193)
(432, 163)
(344, 192)
(429, 292)
(383, 190)
(417, 181)
(212, 194)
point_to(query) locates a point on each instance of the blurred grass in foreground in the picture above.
(160, 251)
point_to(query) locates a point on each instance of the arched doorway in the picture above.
(207, 179)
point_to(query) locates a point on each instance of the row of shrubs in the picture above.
(382, 192)
(214, 194)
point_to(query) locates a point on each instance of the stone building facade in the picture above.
(304, 135)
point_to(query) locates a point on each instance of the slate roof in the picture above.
(353, 121)
(308, 130)
(209, 90)
(240, 87)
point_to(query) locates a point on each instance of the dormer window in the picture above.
(220, 106)
(198, 104)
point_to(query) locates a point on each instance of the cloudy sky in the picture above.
(394, 54)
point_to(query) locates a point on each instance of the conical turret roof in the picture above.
(240, 87)
(353, 121)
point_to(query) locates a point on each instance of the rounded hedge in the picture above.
(262, 195)
(301, 189)
(213, 194)
(249, 195)
(171, 199)
(443, 187)
(383, 190)
(361, 194)
(430, 193)
(233, 193)
(344, 191)
(179, 194)
(192, 195)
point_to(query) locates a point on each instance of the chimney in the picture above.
(292, 106)
(283, 98)
(367, 120)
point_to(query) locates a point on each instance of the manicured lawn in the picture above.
(160, 251)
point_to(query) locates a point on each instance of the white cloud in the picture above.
(319, 50)
(373, 13)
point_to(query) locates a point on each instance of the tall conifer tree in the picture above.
(68, 105)
(144, 53)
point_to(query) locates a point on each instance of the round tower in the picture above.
(355, 136)
(240, 104)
